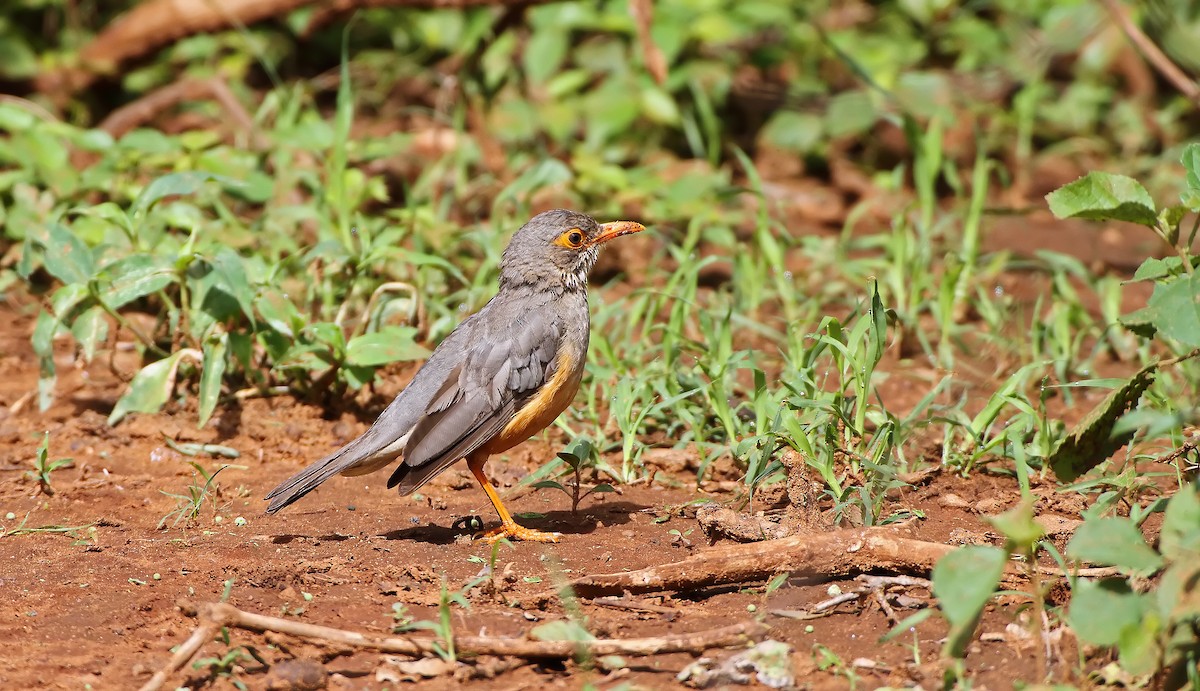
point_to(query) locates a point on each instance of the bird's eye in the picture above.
(573, 239)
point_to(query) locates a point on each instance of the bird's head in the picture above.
(558, 247)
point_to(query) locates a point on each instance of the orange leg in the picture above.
(508, 527)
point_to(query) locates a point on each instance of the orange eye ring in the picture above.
(572, 239)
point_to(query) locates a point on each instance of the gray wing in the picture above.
(385, 440)
(500, 373)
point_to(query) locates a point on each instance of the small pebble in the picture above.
(808, 629)
(834, 590)
(157, 576)
(239, 521)
(9, 516)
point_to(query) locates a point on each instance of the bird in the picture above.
(502, 375)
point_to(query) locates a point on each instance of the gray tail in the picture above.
(307, 480)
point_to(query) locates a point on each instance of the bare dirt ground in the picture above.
(98, 605)
(95, 574)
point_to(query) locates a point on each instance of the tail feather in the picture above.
(308, 479)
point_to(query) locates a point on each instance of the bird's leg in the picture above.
(508, 527)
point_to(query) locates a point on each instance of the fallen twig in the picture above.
(203, 634)
(825, 556)
(1169, 70)
(146, 108)
(215, 615)
(156, 23)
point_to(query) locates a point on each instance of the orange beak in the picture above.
(615, 229)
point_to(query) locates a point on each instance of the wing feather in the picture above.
(500, 373)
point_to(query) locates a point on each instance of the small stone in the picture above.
(297, 675)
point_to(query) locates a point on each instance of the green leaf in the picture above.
(579, 451)
(187, 182)
(391, 344)
(792, 131)
(1114, 542)
(1092, 441)
(90, 329)
(66, 257)
(1140, 322)
(278, 310)
(1100, 196)
(220, 291)
(561, 630)
(1154, 267)
(1018, 526)
(963, 581)
(1175, 309)
(213, 370)
(659, 106)
(1101, 610)
(1191, 163)
(1138, 645)
(544, 53)
(1180, 537)
(149, 390)
(132, 277)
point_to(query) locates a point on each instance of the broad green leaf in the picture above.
(659, 106)
(149, 390)
(277, 309)
(211, 374)
(1100, 196)
(187, 182)
(1114, 542)
(793, 131)
(1138, 645)
(544, 53)
(66, 257)
(579, 451)
(561, 630)
(1101, 610)
(90, 329)
(1153, 268)
(963, 581)
(1191, 163)
(132, 277)
(220, 291)
(1180, 537)
(1018, 526)
(392, 344)
(1176, 309)
(1092, 441)
(1140, 322)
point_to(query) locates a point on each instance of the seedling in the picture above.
(43, 466)
(188, 505)
(579, 456)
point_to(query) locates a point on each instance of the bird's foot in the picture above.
(512, 531)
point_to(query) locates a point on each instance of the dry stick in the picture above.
(1169, 70)
(203, 634)
(652, 55)
(827, 556)
(156, 23)
(146, 108)
(215, 615)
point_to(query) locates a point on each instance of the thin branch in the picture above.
(215, 615)
(1159, 60)
(157, 23)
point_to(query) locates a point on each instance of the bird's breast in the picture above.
(548, 403)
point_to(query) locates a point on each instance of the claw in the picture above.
(513, 531)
